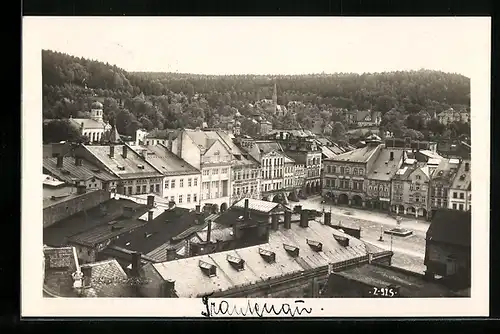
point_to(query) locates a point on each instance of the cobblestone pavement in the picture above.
(408, 251)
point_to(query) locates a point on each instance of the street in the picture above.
(408, 251)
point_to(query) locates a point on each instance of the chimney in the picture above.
(124, 151)
(170, 140)
(304, 219)
(370, 257)
(151, 201)
(328, 218)
(198, 208)
(111, 151)
(288, 220)
(391, 156)
(209, 231)
(136, 264)
(59, 161)
(171, 254)
(274, 222)
(298, 208)
(87, 276)
(78, 161)
(150, 216)
(467, 166)
(246, 213)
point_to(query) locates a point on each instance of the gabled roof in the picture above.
(360, 155)
(257, 205)
(111, 270)
(462, 180)
(446, 220)
(87, 123)
(70, 172)
(383, 168)
(167, 162)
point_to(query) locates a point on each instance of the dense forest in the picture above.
(135, 100)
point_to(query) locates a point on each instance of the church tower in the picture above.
(96, 111)
(275, 98)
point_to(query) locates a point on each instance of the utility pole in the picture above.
(381, 238)
(391, 241)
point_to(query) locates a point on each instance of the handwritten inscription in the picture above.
(253, 309)
(120, 280)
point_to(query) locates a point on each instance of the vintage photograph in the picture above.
(241, 158)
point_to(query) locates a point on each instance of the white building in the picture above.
(94, 127)
(459, 195)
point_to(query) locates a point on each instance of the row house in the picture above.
(206, 151)
(289, 172)
(410, 188)
(136, 175)
(441, 180)
(460, 190)
(181, 183)
(344, 175)
(245, 171)
(379, 178)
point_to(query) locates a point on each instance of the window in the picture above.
(180, 199)
(181, 183)
(341, 170)
(167, 183)
(189, 182)
(206, 172)
(194, 198)
(157, 186)
(188, 198)
(347, 170)
(195, 182)
(172, 185)
(138, 189)
(461, 207)
(355, 171)
(418, 177)
(461, 195)
(215, 171)
(144, 189)
(454, 194)
(334, 169)
(152, 188)
(360, 171)
(454, 206)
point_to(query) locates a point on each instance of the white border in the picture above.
(33, 304)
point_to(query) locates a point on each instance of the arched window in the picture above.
(355, 171)
(347, 170)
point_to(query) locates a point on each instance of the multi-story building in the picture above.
(136, 175)
(450, 116)
(181, 183)
(289, 172)
(410, 190)
(345, 174)
(299, 177)
(94, 127)
(245, 170)
(378, 179)
(206, 151)
(460, 191)
(440, 183)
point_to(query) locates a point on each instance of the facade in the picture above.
(181, 182)
(94, 127)
(206, 151)
(378, 179)
(448, 255)
(345, 174)
(136, 175)
(440, 183)
(289, 173)
(450, 116)
(410, 189)
(460, 191)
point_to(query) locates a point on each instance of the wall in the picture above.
(154, 282)
(180, 194)
(184, 147)
(240, 182)
(437, 255)
(62, 210)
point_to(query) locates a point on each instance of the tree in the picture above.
(61, 130)
(338, 131)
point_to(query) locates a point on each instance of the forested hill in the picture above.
(160, 100)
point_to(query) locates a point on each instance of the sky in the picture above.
(268, 45)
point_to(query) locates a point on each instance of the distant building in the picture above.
(448, 247)
(363, 118)
(94, 127)
(441, 181)
(450, 116)
(410, 188)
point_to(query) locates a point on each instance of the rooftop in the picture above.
(205, 139)
(108, 269)
(238, 153)
(383, 168)
(298, 157)
(328, 152)
(410, 284)
(87, 123)
(462, 179)
(53, 196)
(133, 166)
(70, 172)
(259, 265)
(446, 220)
(444, 171)
(57, 235)
(165, 161)
(258, 205)
(50, 181)
(152, 235)
(361, 155)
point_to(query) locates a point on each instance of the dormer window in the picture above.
(121, 167)
(236, 262)
(315, 245)
(140, 166)
(291, 250)
(207, 268)
(343, 241)
(268, 256)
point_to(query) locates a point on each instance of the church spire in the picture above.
(275, 95)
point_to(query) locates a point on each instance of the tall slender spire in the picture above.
(275, 96)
